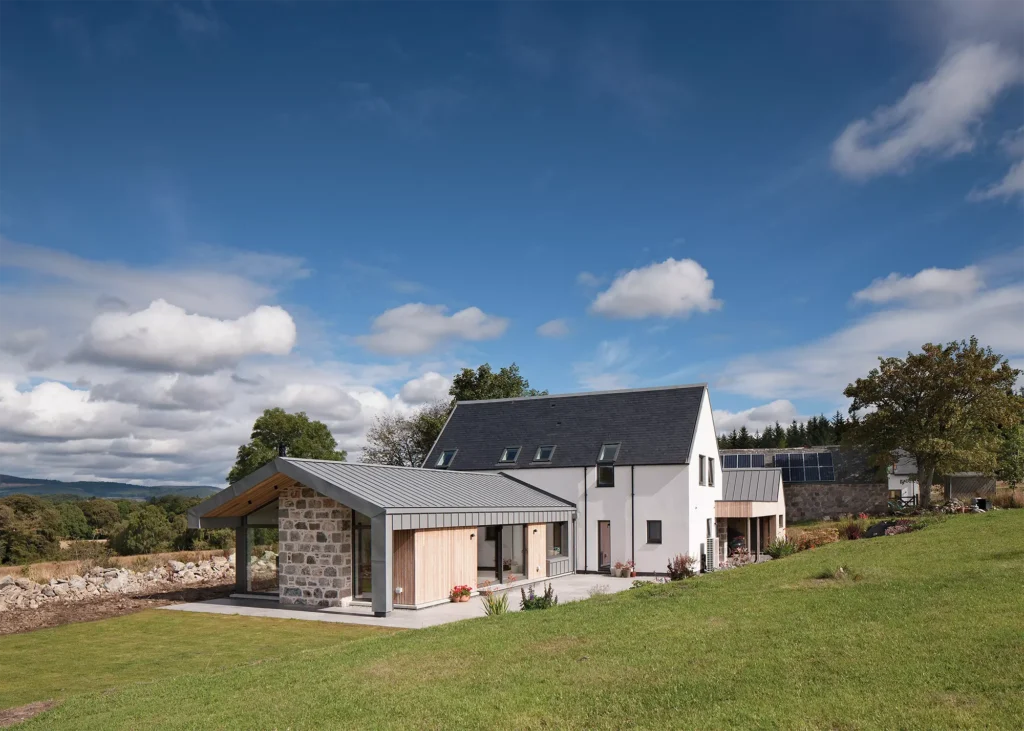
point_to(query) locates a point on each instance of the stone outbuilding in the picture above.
(388, 536)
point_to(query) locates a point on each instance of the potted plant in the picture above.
(619, 569)
(630, 568)
(460, 593)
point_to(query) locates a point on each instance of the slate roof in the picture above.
(396, 489)
(760, 485)
(653, 425)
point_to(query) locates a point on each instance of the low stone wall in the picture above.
(315, 539)
(832, 499)
(23, 593)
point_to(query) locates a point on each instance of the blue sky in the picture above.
(207, 209)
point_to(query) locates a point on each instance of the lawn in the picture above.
(930, 637)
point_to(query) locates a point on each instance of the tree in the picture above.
(483, 383)
(945, 406)
(29, 529)
(1010, 463)
(146, 531)
(73, 523)
(743, 440)
(301, 436)
(102, 515)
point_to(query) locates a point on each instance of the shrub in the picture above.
(29, 529)
(852, 530)
(494, 603)
(682, 567)
(780, 548)
(544, 601)
(740, 557)
(145, 531)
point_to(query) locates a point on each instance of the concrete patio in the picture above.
(567, 588)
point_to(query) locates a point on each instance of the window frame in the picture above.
(702, 479)
(711, 472)
(446, 464)
(536, 455)
(504, 453)
(604, 459)
(606, 466)
(661, 535)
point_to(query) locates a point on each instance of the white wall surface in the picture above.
(703, 497)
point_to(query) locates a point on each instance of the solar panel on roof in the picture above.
(757, 460)
(743, 461)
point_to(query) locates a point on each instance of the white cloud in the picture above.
(173, 391)
(419, 328)
(23, 341)
(824, 367)
(939, 116)
(558, 328)
(426, 389)
(1012, 183)
(758, 417)
(927, 285)
(667, 289)
(164, 337)
(52, 410)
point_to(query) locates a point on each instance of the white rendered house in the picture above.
(641, 467)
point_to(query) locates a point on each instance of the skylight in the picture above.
(544, 453)
(509, 454)
(609, 452)
(446, 458)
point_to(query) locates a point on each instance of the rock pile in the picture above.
(23, 593)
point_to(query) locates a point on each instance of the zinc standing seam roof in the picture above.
(410, 488)
(753, 485)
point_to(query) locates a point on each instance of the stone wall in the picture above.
(316, 549)
(806, 501)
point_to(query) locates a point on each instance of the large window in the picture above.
(654, 531)
(806, 467)
(606, 475)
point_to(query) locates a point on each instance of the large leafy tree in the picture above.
(1010, 465)
(406, 440)
(29, 529)
(300, 435)
(946, 406)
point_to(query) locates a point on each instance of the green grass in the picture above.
(930, 637)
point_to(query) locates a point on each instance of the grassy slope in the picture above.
(930, 638)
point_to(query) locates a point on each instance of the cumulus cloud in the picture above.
(927, 285)
(1012, 184)
(53, 410)
(824, 367)
(174, 391)
(558, 328)
(667, 289)
(418, 328)
(938, 116)
(757, 417)
(426, 389)
(164, 337)
(23, 341)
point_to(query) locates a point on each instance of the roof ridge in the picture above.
(586, 393)
(386, 466)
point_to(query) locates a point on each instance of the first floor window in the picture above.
(605, 475)
(654, 531)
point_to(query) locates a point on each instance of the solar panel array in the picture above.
(796, 466)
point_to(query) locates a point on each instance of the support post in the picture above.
(381, 560)
(242, 558)
(498, 558)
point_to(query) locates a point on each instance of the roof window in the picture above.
(509, 454)
(609, 452)
(544, 453)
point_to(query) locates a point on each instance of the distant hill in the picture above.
(10, 485)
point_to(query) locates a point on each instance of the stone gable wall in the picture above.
(806, 501)
(315, 537)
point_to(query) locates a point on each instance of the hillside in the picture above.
(10, 485)
(924, 633)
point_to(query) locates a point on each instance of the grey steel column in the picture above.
(381, 560)
(242, 558)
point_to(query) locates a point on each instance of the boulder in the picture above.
(48, 590)
(219, 561)
(114, 583)
(176, 566)
(61, 589)
(6, 581)
(77, 582)
(24, 583)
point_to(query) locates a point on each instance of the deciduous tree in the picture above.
(946, 406)
(301, 436)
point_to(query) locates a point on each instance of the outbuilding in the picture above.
(752, 511)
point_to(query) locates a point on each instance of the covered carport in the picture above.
(752, 511)
(393, 535)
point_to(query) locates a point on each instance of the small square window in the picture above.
(445, 459)
(609, 452)
(509, 454)
(491, 533)
(544, 453)
(605, 475)
(654, 531)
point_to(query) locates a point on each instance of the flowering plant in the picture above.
(460, 591)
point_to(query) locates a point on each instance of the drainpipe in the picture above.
(585, 552)
(632, 516)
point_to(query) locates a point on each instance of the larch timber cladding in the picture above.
(316, 549)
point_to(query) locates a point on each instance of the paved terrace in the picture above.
(567, 588)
